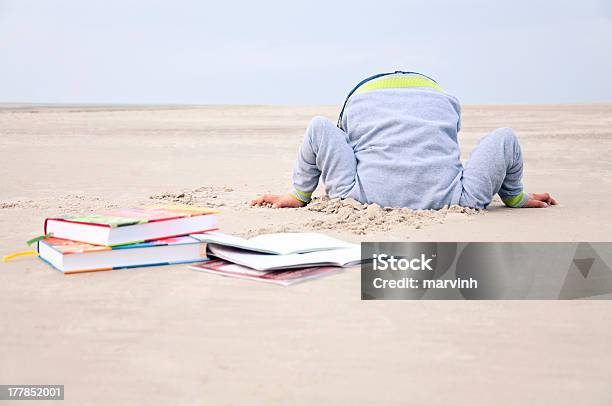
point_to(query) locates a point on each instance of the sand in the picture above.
(168, 334)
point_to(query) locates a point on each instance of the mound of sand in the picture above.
(360, 218)
(349, 215)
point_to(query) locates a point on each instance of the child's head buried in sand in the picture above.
(396, 145)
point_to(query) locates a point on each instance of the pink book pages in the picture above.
(280, 277)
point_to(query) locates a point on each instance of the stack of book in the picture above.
(283, 258)
(146, 236)
(175, 234)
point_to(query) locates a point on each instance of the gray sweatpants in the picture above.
(400, 150)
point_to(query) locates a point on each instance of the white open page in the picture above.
(263, 262)
(279, 243)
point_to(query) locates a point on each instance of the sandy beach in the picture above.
(169, 335)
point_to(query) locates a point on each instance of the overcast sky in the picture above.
(309, 52)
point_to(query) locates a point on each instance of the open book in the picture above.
(279, 243)
(266, 262)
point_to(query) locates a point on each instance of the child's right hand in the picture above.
(277, 201)
(540, 200)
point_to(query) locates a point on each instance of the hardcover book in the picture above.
(128, 226)
(73, 257)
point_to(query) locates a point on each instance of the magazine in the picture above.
(284, 277)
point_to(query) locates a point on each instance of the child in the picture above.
(396, 145)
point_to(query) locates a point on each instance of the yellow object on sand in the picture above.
(14, 255)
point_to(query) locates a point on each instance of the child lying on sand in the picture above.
(396, 145)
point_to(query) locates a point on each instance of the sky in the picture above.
(301, 53)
